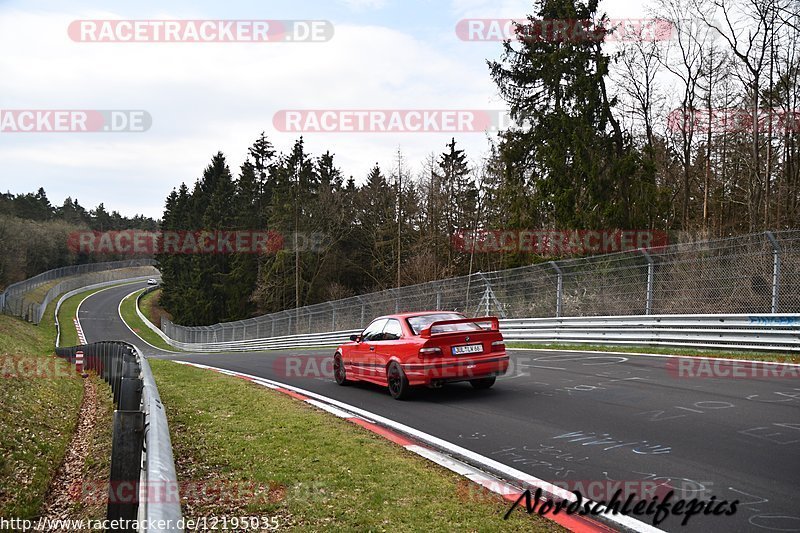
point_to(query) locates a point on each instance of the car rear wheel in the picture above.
(483, 383)
(397, 381)
(339, 372)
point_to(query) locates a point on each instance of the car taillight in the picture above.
(430, 351)
(498, 346)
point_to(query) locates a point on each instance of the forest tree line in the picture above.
(610, 135)
(34, 233)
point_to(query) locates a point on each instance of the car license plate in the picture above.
(469, 348)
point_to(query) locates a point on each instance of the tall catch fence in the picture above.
(756, 273)
(28, 299)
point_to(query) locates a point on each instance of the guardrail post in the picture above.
(112, 364)
(111, 349)
(126, 459)
(115, 359)
(103, 361)
(130, 395)
(648, 309)
(559, 288)
(88, 360)
(128, 368)
(776, 269)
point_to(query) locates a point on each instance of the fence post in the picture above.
(776, 269)
(559, 288)
(649, 293)
(333, 317)
(363, 310)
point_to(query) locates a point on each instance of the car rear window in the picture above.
(418, 323)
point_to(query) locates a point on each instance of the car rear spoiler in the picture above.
(426, 333)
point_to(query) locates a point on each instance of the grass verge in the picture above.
(97, 465)
(40, 398)
(131, 318)
(37, 295)
(269, 455)
(39, 401)
(756, 356)
(149, 305)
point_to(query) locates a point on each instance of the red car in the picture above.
(428, 348)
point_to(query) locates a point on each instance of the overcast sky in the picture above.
(209, 97)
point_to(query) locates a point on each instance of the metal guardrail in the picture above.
(13, 300)
(141, 456)
(771, 332)
(332, 338)
(159, 463)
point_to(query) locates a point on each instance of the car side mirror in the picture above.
(355, 338)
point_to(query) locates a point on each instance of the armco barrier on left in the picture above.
(14, 299)
(141, 449)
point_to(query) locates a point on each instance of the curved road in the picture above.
(579, 419)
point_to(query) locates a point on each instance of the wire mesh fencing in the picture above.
(756, 273)
(28, 299)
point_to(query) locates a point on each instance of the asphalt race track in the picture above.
(579, 418)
